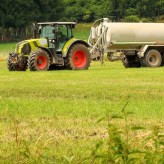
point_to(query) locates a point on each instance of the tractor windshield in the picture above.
(59, 33)
(47, 32)
(63, 35)
(63, 32)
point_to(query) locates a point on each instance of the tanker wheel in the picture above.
(39, 60)
(131, 62)
(152, 58)
(142, 62)
(78, 58)
(22, 66)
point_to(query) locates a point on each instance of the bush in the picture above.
(131, 18)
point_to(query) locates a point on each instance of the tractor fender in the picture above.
(70, 43)
(52, 58)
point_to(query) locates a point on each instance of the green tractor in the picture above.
(53, 44)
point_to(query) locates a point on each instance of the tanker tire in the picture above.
(142, 62)
(125, 63)
(78, 58)
(39, 60)
(130, 63)
(17, 67)
(152, 58)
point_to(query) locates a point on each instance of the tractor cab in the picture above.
(57, 33)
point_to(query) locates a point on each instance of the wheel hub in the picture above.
(153, 59)
(41, 62)
(76, 58)
(79, 59)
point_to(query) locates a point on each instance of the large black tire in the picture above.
(39, 60)
(78, 58)
(142, 62)
(152, 58)
(22, 66)
(131, 62)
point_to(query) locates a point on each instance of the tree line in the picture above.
(16, 16)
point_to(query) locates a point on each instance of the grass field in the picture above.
(54, 116)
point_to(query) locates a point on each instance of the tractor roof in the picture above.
(57, 23)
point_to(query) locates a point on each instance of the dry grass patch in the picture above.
(2, 59)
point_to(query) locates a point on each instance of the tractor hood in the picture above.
(25, 47)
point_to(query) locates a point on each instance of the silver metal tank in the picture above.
(115, 36)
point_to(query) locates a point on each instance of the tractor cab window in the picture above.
(69, 30)
(63, 35)
(47, 32)
(57, 34)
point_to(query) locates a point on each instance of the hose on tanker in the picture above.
(96, 22)
(89, 40)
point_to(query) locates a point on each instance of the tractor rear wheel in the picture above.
(78, 58)
(39, 60)
(22, 66)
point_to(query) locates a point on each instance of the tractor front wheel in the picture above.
(21, 66)
(39, 60)
(78, 58)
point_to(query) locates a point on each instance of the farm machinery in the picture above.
(136, 44)
(52, 44)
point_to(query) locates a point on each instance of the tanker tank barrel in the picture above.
(120, 36)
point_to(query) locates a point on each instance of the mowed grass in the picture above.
(53, 116)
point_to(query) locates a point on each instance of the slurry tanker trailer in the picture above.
(136, 44)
